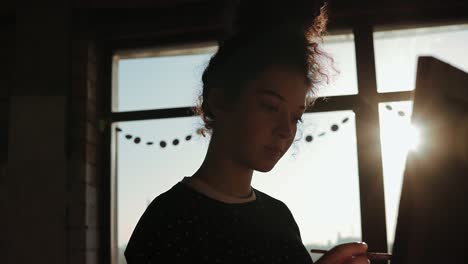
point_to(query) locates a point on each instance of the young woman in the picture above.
(255, 90)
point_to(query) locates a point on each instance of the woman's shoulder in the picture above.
(278, 209)
(162, 209)
(269, 200)
(171, 198)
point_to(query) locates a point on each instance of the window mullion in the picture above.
(152, 114)
(372, 197)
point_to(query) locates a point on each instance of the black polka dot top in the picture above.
(186, 226)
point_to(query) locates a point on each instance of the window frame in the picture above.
(364, 104)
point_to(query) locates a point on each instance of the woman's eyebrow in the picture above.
(278, 96)
(271, 93)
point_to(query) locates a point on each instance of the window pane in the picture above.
(145, 171)
(341, 49)
(305, 179)
(397, 137)
(172, 78)
(318, 180)
(158, 79)
(396, 53)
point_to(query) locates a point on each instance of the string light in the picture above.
(309, 138)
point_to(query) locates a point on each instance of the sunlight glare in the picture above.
(414, 137)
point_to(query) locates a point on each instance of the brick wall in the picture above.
(84, 168)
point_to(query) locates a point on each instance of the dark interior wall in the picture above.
(7, 12)
(380, 11)
(52, 205)
(146, 21)
(7, 44)
(397, 12)
(36, 194)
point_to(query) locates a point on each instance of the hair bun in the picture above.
(254, 16)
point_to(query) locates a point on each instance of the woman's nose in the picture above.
(285, 127)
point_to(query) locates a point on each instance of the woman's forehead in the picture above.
(298, 100)
(281, 83)
(280, 76)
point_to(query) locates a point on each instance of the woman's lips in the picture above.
(273, 152)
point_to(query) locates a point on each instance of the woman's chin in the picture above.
(266, 167)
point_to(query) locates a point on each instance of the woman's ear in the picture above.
(217, 102)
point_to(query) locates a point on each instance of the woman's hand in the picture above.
(349, 253)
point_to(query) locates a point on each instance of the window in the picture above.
(149, 162)
(318, 179)
(150, 134)
(397, 137)
(157, 79)
(149, 155)
(147, 151)
(396, 53)
(344, 80)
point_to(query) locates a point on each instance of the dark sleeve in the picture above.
(292, 222)
(156, 238)
(295, 229)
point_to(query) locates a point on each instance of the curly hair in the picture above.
(287, 36)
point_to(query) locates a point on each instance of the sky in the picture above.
(318, 180)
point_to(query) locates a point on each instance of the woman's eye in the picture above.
(269, 108)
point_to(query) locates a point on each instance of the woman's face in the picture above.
(259, 128)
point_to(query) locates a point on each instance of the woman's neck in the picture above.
(224, 175)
